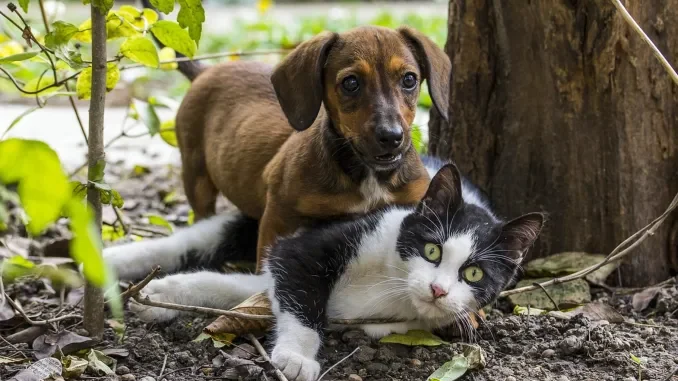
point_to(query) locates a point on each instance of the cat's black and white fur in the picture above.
(427, 265)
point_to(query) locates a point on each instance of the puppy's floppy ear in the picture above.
(435, 66)
(298, 80)
(444, 192)
(519, 234)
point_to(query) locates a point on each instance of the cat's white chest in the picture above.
(373, 194)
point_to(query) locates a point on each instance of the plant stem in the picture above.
(94, 298)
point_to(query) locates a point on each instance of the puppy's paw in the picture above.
(295, 366)
(158, 290)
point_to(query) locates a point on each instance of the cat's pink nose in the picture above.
(437, 291)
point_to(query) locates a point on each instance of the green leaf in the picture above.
(111, 197)
(24, 5)
(85, 245)
(103, 5)
(83, 87)
(148, 116)
(414, 338)
(61, 34)
(18, 119)
(96, 175)
(159, 221)
(168, 134)
(191, 16)
(141, 50)
(169, 33)
(110, 233)
(418, 139)
(42, 83)
(168, 54)
(164, 6)
(519, 310)
(191, 217)
(73, 367)
(43, 186)
(18, 57)
(576, 292)
(99, 363)
(79, 190)
(568, 263)
(451, 370)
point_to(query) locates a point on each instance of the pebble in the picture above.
(122, 370)
(386, 355)
(184, 358)
(366, 354)
(127, 377)
(629, 379)
(352, 335)
(570, 345)
(421, 353)
(511, 378)
(354, 377)
(147, 378)
(415, 362)
(377, 367)
(562, 378)
(548, 353)
(332, 343)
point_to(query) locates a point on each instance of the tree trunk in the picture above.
(558, 106)
(94, 299)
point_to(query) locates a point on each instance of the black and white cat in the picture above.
(427, 265)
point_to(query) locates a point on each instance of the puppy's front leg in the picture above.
(273, 224)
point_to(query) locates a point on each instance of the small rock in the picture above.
(562, 378)
(570, 345)
(352, 335)
(421, 353)
(629, 379)
(122, 370)
(184, 358)
(147, 378)
(510, 378)
(548, 353)
(332, 343)
(415, 362)
(366, 354)
(386, 355)
(377, 367)
(127, 377)
(354, 377)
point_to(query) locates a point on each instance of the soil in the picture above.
(516, 347)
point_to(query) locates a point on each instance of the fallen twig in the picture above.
(263, 353)
(619, 252)
(134, 289)
(337, 363)
(670, 375)
(30, 321)
(219, 312)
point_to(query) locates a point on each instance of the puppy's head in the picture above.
(369, 80)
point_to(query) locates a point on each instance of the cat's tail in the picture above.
(208, 244)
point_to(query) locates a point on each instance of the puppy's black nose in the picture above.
(390, 137)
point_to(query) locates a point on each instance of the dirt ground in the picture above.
(539, 348)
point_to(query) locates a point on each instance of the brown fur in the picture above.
(235, 136)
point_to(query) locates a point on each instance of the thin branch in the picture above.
(338, 362)
(30, 321)
(214, 56)
(616, 254)
(21, 89)
(263, 354)
(629, 19)
(133, 290)
(118, 216)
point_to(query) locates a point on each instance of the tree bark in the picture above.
(559, 106)
(94, 299)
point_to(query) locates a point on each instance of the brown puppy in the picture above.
(236, 129)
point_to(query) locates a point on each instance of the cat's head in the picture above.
(460, 256)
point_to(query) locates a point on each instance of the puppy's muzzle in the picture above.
(389, 141)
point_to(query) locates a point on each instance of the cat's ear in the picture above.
(444, 192)
(519, 234)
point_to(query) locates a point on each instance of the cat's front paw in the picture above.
(158, 290)
(295, 366)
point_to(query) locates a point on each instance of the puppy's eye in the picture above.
(473, 274)
(432, 252)
(350, 84)
(409, 81)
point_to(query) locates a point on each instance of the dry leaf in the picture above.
(641, 300)
(39, 370)
(257, 304)
(69, 342)
(593, 311)
(568, 263)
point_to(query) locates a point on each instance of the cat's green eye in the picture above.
(473, 274)
(432, 252)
